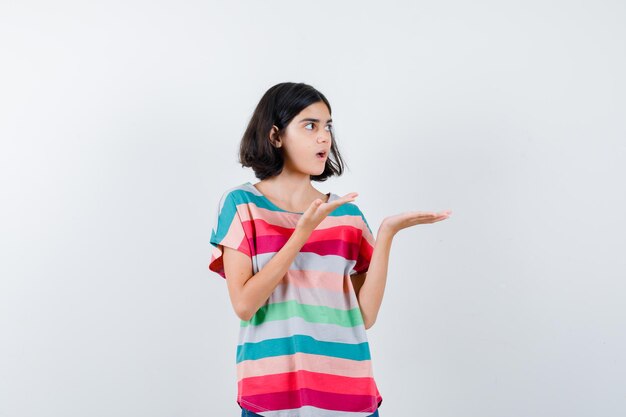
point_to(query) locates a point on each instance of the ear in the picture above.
(275, 137)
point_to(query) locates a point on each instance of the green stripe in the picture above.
(310, 313)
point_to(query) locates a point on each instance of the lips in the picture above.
(322, 154)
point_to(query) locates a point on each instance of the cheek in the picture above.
(300, 155)
(302, 152)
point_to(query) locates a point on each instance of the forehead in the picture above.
(314, 111)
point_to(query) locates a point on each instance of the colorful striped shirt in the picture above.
(305, 352)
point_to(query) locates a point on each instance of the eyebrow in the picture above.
(308, 119)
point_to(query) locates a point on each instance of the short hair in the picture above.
(278, 106)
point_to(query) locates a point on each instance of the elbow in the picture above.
(369, 324)
(245, 315)
(243, 312)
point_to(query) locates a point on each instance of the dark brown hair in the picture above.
(278, 106)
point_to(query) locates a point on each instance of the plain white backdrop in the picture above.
(120, 123)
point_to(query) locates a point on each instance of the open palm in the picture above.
(318, 211)
(406, 219)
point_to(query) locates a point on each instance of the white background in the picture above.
(120, 123)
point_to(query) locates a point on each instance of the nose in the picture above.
(324, 137)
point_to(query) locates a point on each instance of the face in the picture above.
(306, 135)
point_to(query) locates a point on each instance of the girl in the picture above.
(303, 270)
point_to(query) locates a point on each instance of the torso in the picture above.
(305, 351)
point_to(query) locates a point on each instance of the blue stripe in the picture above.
(302, 344)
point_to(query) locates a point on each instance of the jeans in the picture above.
(248, 413)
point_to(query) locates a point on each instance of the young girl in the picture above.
(303, 270)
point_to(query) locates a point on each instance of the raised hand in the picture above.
(318, 210)
(401, 221)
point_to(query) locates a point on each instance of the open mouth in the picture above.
(321, 155)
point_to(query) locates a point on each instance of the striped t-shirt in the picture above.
(305, 352)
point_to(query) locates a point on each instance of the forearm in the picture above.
(371, 293)
(260, 286)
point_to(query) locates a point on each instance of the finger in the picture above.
(346, 198)
(341, 201)
(349, 195)
(431, 213)
(315, 204)
(425, 218)
(437, 219)
(426, 215)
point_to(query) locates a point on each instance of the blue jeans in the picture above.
(248, 413)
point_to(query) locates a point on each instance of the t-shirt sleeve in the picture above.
(228, 230)
(366, 247)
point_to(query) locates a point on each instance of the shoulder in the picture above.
(236, 194)
(353, 209)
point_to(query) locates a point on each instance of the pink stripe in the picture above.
(291, 381)
(303, 397)
(344, 248)
(250, 211)
(306, 361)
(316, 279)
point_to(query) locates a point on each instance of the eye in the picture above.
(329, 126)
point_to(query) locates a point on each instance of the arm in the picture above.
(248, 291)
(370, 286)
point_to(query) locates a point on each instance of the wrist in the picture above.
(385, 231)
(300, 235)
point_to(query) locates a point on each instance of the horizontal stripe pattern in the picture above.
(339, 300)
(311, 313)
(305, 351)
(297, 325)
(300, 343)
(304, 361)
